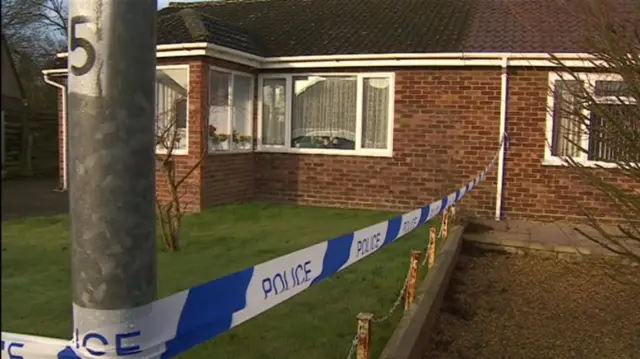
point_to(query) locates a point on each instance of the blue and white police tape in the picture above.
(174, 324)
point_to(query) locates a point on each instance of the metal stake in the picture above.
(364, 335)
(410, 295)
(444, 229)
(431, 250)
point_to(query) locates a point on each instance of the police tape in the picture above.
(172, 325)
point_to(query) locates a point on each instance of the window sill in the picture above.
(329, 152)
(229, 152)
(183, 152)
(559, 162)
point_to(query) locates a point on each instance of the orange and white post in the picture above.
(364, 335)
(444, 230)
(431, 250)
(412, 278)
(453, 214)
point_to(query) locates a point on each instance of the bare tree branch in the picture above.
(170, 138)
(599, 121)
(35, 30)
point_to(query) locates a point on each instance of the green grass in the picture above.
(318, 323)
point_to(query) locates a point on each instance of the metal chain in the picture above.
(426, 254)
(397, 302)
(354, 344)
(424, 260)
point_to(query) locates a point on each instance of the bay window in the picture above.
(171, 111)
(579, 121)
(331, 114)
(230, 111)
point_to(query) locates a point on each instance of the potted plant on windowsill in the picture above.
(223, 142)
(214, 143)
(217, 141)
(240, 141)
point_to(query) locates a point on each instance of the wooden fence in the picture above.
(31, 143)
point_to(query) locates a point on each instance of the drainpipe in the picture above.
(64, 128)
(503, 126)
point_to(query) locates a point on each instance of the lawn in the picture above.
(318, 323)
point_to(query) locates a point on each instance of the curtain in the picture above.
(566, 120)
(273, 111)
(324, 107)
(219, 110)
(242, 104)
(614, 127)
(614, 130)
(375, 113)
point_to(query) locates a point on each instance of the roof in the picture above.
(9, 72)
(273, 28)
(327, 27)
(189, 25)
(542, 26)
(330, 27)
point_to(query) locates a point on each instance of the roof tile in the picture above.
(327, 27)
(314, 27)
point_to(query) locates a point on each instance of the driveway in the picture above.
(32, 198)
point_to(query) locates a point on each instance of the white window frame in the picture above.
(230, 105)
(358, 151)
(589, 80)
(181, 151)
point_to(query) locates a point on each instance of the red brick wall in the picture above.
(445, 132)
(534, 191)
(191, 190)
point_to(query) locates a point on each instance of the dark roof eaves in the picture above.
(13, 67)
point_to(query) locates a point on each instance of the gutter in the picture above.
(65, 184)
(202, 49)
(369, 60)
(504, 87)
(443, 55)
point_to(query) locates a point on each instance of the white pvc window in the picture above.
(350, 114)
(567, 133)
(230, 118)
(172, 109)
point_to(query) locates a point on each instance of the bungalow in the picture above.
(370, 103)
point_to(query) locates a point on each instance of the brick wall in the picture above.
(445, 132)
(221, 178)
(191, 189)
(534, 191)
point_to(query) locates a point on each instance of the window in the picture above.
(230, 111)
(172, 108)
(330, 114)
(576, 125)
(273, 112)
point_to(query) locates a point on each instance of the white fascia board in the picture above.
(372, 60)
